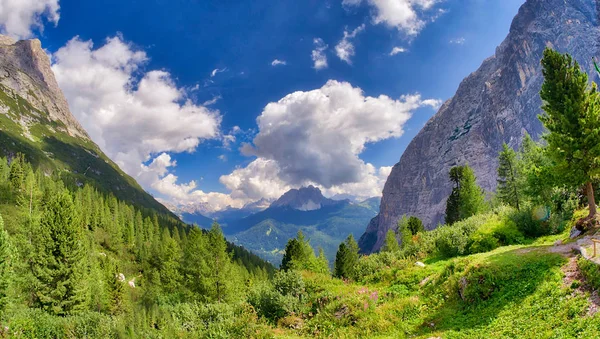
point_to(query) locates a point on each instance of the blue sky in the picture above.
(177, 45)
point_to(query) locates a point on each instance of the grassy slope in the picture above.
(511, 292)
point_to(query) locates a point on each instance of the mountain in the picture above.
(497, 103)
(303, 199)
(324, 221)
(35, 120)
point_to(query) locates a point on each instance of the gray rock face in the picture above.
(497, 103)
(25, 70)
(303, 199)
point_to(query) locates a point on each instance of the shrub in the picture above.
(289, 283)
(590, 271)
(528, 225)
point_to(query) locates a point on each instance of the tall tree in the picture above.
(508, 181)
(467, 198)
(572, 118)
(58, 263)
(346, 259)
(220, 277)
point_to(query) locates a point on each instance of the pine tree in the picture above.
(219, 266)
(58, 263)
(5, 266)
(508, 182)
(467, 198)
(346, 259)
(572, 117)
(391, 242)
(195, 263)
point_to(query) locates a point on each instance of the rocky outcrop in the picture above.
(497, 103)
(25, 71)
(303, 199)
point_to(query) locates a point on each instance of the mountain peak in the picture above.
(25, 69)
(303, 199)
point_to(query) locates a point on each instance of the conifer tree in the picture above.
(346, 259)
(508, 182)
(467, 198)
(58, 263)
(391, 242)
(194, 263)
(572, 118)
(219, 266)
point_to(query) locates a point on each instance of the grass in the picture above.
(510, 292)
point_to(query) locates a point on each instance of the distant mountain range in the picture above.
(265, 231)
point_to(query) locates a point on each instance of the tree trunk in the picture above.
(591, 200)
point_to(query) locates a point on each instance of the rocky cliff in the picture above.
(25, 70)
(303, 199)
(497, 103)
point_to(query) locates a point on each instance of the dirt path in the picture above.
(573, 274)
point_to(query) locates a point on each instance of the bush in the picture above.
(280, 299)
(289, 283)
(590, 271)
(528, 225)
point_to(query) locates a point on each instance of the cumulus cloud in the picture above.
(18, 17)
(278, 62)
(316, 137)
(397, 50)
(134, 117)
(345, 48)
(404, 15)
(318, 54)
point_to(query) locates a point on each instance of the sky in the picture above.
(209, 104)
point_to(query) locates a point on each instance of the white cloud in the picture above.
(318, 54)
(217, 71)
(211, 101)
(458, 41)
(316, 137)
(222, 157)
(132, 115)
(18, 17)
(278, 62)
(397, 50)
(404, 15)
(345, 48)
(306, 138)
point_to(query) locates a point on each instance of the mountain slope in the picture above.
(35, 120)
(497, 103)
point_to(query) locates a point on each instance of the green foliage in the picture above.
(391, 242)
(467, 198)
(590, 271)
(572, 118)
(5, 266)
(508, 177)
(58, 262)
(300, 255)
(346, 259)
